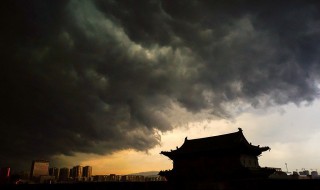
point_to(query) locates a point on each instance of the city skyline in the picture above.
(42, 173)
(111, 84)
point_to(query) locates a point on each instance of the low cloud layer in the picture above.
(101, 76)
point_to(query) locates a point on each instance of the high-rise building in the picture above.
(39, 168)
(87, 171)
(64, 174)
(77, 172)
(54, 172)
(71, 172)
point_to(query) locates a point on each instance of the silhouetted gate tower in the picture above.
(215, 158)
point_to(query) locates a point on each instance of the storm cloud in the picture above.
(101, 76)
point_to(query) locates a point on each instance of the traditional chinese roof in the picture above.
(227, 143)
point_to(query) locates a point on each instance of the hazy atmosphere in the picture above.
(112, 83)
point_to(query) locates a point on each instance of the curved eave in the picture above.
(168, 154)
(263, 149)
(258, 151)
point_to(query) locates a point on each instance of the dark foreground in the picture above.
(222, 185)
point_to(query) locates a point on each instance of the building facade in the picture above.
(87, 171)
(39, 168)
(64, 174)
(218, 157)
(77, 172)
(54, 172)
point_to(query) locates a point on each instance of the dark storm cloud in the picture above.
(100, 76)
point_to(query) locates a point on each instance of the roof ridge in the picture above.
(214, 136)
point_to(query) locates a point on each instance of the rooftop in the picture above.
(232, 142)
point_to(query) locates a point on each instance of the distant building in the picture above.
(107, 178)
(39, 168)
(155, 178)
(214, 158)
(77, 172)
(132, 178)
(87, 171)
(47, 179)
(64, 174)
(114, 177)
(71, 172)
(54, 172)
(279, 174)
(304, 172)
(100, 178)
(314, 175)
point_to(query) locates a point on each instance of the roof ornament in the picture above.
(185, 139)
(240, 129)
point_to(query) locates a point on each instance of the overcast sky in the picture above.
(115, 82)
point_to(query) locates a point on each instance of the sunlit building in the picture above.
(39, 168)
